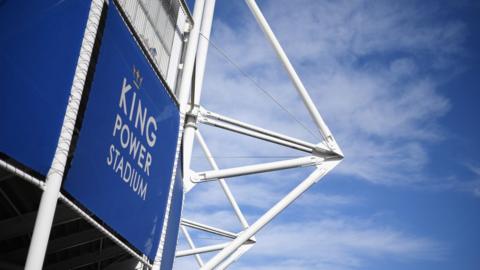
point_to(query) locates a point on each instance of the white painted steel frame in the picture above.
(48, 202)
(325, 155)
(215, 119)
(195, 251)
(256, 168)
(307, 100)
(192, 246)
(313, 178)
(207, 228)
(222, 182)
(185, 86)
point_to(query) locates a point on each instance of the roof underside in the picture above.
(74, 243)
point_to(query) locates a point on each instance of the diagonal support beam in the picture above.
(233, 125)
(210, 229)
(307, 100)
(257, 168)
(228, 120)
(313, 178)
(196, 251)
(207, 228)
(234, 257)
(192, 245)
(221, 181)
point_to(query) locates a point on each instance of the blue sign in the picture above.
(174, 216)
(39, 46)
(123, 163)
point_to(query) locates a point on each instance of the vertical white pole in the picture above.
(307, 100)
(185, 89)
(202, 50)
(270, 214)
(191, 50)
(196, 51)
(48, 202)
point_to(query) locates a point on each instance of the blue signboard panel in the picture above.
(39, 46)
(171, 237)
(123, 162)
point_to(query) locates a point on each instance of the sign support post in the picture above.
(48, 203)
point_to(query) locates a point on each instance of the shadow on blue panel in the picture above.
(39, 47)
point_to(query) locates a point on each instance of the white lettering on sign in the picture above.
(129, 158)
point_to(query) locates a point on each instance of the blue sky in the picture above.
(396, 83)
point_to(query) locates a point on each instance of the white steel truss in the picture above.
(324, 155)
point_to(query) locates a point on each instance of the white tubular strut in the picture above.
(202, 49)
(191, 49)
(197, 49)
(192, 246)
(235, 255)
(199, 250)
(210, 229)
(227, 123)
(324, 155)
(222, 182)
(270, 214)
(48, 202)
(257, 168)
(185, 87)
(307, 100)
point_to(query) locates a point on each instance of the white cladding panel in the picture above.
(160, 24)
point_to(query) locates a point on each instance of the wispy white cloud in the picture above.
(465, 179)
(338, 244)
(332, 242)
(474, 169)
(475, 184)
(469, 184)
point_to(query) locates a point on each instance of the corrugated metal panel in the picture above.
(157, 23)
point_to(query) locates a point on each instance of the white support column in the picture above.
(191, 51)
(196, 51)
(222, 182)
(202, 50)
(307, 100)
(256, 168)
(192, 245)
(233, 258)
(270, 214)
(185, 90)
(196, 251)
(48, 202)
